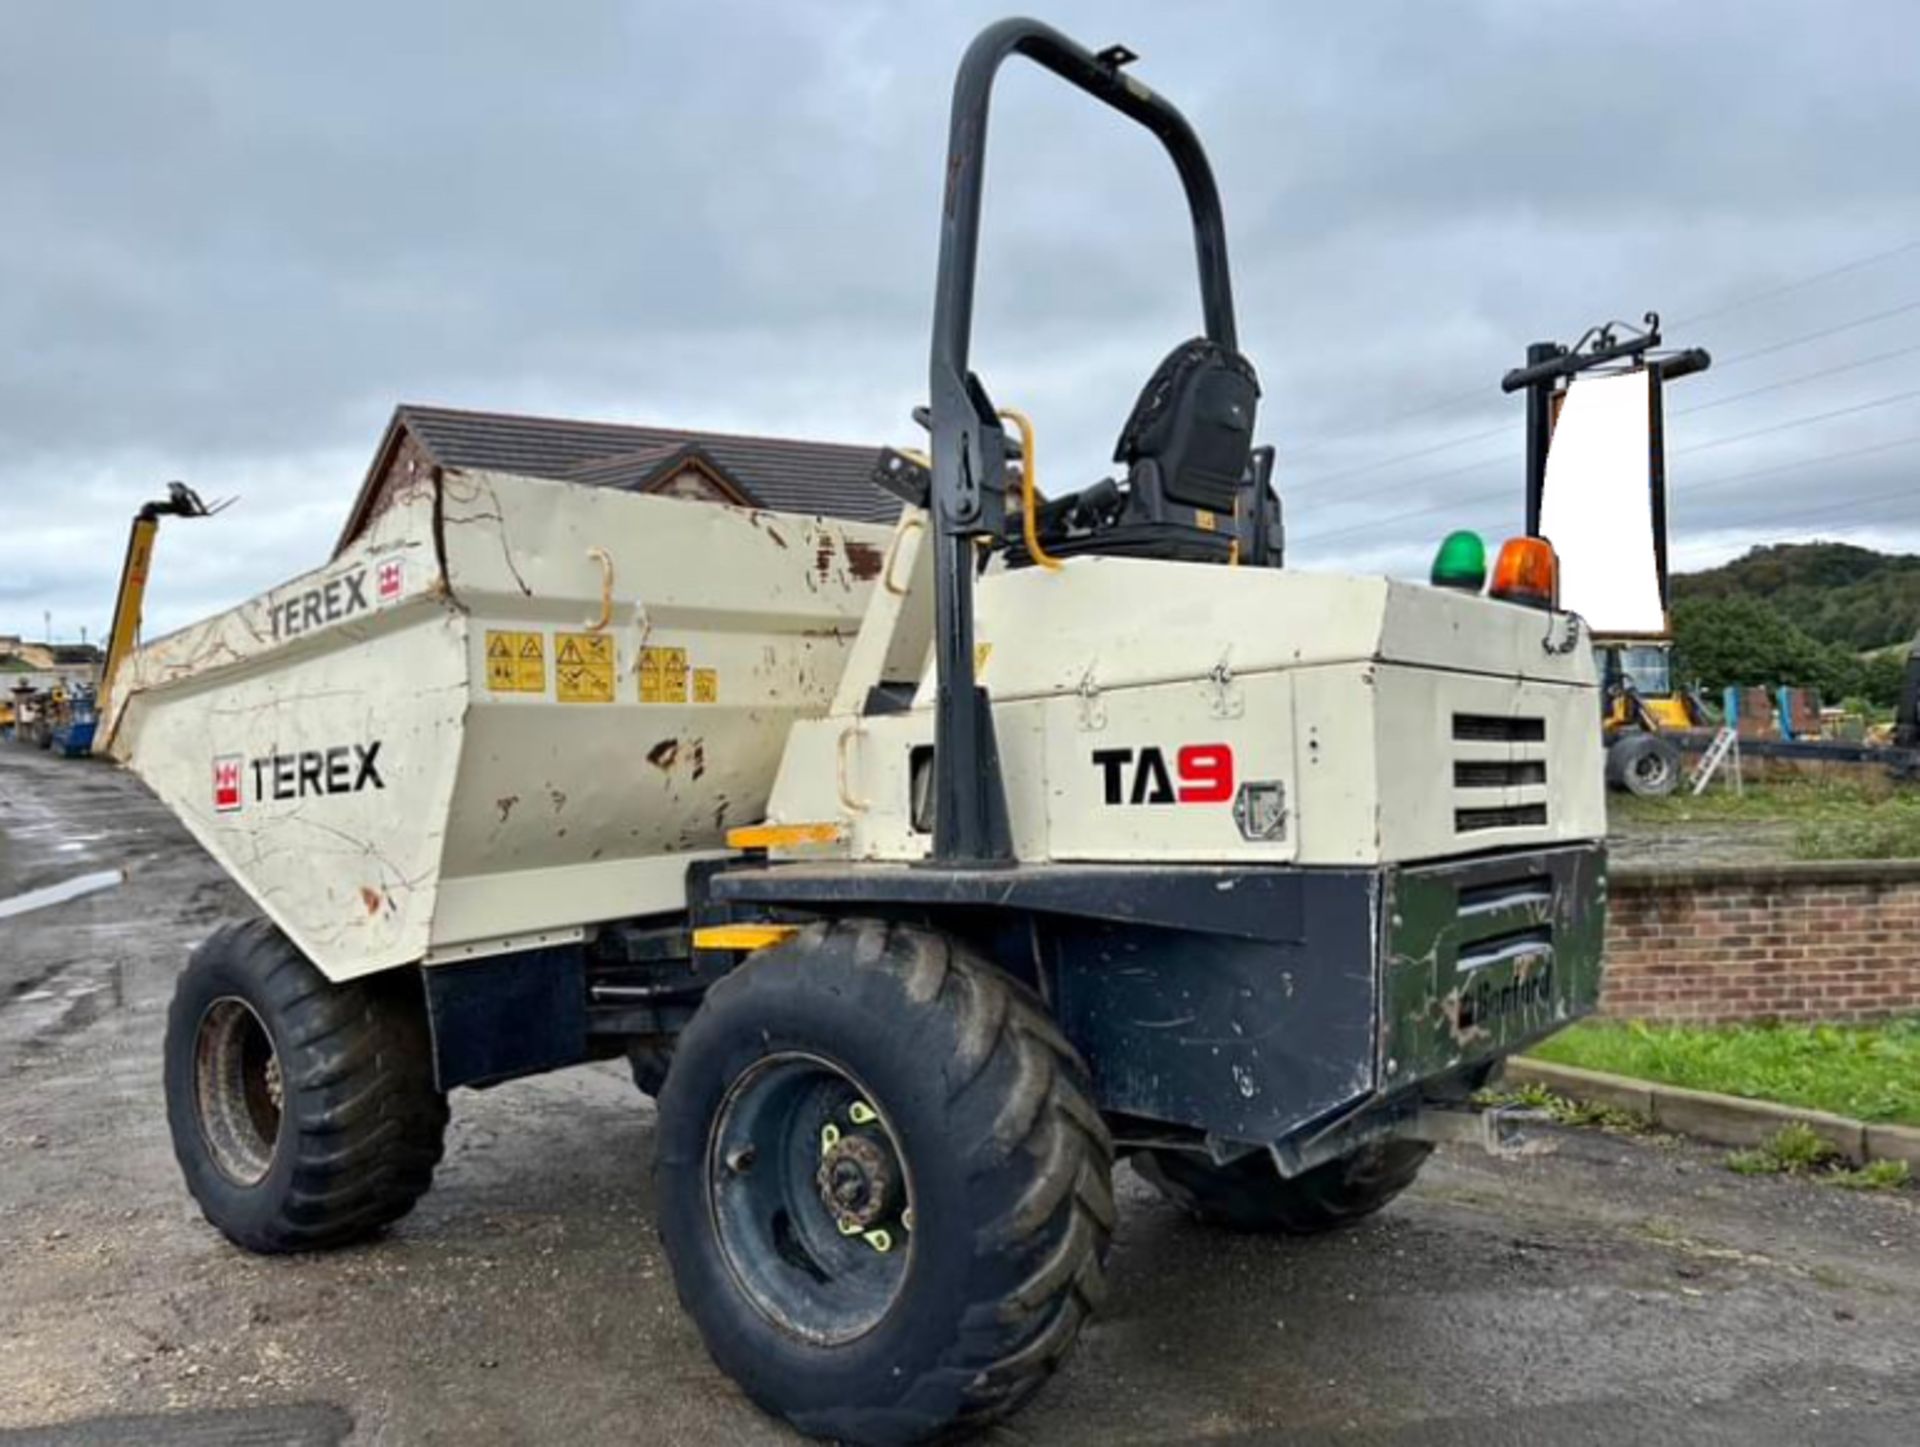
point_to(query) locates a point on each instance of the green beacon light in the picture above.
(1461, 562)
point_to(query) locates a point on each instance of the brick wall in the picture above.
(1814, 941)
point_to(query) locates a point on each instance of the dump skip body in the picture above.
(508, 709)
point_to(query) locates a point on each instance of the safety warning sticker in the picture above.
(516, 662)
(583, 667)
(663, 675)
(706, 685)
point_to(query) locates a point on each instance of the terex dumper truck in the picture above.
(924, 872)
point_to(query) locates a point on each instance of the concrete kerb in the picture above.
(1722, 1119)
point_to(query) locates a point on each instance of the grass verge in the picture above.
(1795, 1150)
(1830, 818)
(1866, 1072)
(1563, 1111)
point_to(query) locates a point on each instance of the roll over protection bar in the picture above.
(969, 449)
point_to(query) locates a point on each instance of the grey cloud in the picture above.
(237, 235)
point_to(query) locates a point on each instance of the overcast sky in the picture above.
(232, 237)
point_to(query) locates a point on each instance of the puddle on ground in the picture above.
(60, 893)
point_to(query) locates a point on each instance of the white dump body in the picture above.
(508, 710)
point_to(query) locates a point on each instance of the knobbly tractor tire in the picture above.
(303, 1113)
(1645, 765)
(1251, 1195)
(649, 1063)
(883, 1189)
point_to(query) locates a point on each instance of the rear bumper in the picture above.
(1485, 956)
(1379, 991)
(1266, 1006)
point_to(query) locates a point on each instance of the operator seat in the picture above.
(1194, 482)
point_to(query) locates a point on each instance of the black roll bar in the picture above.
(970, 824)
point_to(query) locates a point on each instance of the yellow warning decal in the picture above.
(516, 662)
(706, 685)
(663, 675)
(1205, 520)
(583, 667)
(981, 653)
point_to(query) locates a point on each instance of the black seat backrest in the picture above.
(1193, 426)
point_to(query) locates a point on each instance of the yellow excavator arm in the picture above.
(180, 501)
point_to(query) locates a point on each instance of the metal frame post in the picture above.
(970, 814)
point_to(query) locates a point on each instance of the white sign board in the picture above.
(1596, 505)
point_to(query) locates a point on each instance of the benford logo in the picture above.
(392, 579)
(226, 783)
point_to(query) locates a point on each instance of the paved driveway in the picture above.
(1617, 1292)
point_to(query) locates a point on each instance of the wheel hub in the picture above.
(811, 1197)
(858, 1182)
(239, 1091)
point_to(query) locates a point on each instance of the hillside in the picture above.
(1836, 593)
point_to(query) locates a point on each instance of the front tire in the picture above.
(1251, 1195)
(303, 1113)
(884, 1191)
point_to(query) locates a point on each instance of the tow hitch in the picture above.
(1501, 1130)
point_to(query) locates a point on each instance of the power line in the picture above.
(1438, 404)
(1713, 482)
(1795, 515)
(1891, 522)
(1449, 503)
(1475, 499)
(1767, 351)
(1503, 428)
(1796, 422)
(1407, 483)
(1796, 381)
(1684, 411)
(1806, 281)
(1479, 464)
(1455, 399)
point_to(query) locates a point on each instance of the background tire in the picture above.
(1250, 1195)
(649, 1065)
(1646, 765)
(303, 1113)
(1009, 1172)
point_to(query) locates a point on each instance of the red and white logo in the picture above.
(226, 783)
(393, 578)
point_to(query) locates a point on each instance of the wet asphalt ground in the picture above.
(1619, 1291)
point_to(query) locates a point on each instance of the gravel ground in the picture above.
(1617, 1291)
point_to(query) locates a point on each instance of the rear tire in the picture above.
(975, 1153)
(303, 1113)
(1250, 1194)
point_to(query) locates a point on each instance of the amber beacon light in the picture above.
(1527, 571)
